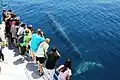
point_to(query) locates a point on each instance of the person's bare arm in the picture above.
(58, 53)
(68, 77)
(7, 18)
(46, 50)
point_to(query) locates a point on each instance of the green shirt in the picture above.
(25, 40)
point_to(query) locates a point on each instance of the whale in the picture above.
(86, 66)
(60, 31)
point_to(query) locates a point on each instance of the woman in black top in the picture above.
(50, 63)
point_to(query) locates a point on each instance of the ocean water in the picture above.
(86, 31)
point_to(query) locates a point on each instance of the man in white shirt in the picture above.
(41, 54)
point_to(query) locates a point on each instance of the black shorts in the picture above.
(40, 59)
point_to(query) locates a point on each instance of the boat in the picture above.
(13, 68)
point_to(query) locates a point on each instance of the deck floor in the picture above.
(14, 68)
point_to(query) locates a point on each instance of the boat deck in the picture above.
(14, 68)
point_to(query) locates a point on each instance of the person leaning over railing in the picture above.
(7, 23)
(53, 56)
(65, 70)
(20, 33)
(41, 54)
(14, 32)
(29, 28)
(36, 39)
(26, 40)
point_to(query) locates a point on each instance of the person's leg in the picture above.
(6, 31)
(27, 50)
(46, 74)
(47, 71)
(41, 60)
(37, 59)
(22, 52)
(12, 39)
(41, 69)
(52, 72)
(15, 42)
(2, 56)
(19, 48)
(9, 39)
(33, 57)
(40, 65)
